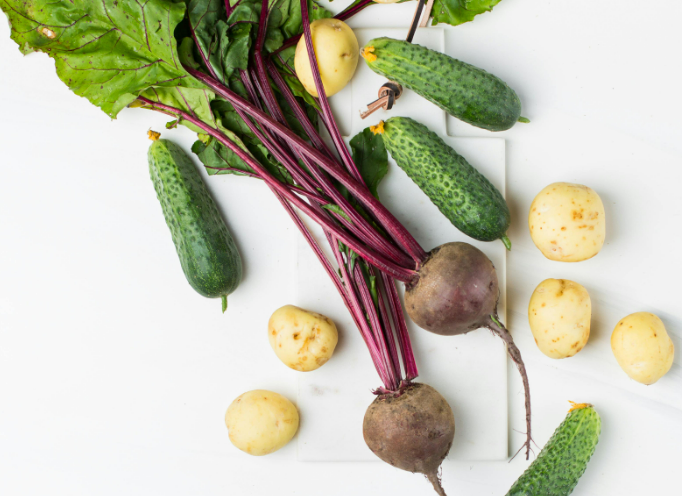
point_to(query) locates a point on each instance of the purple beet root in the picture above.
(457, 292)
(412, 429)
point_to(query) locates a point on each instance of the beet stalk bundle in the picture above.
(449, 290)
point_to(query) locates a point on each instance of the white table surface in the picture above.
(87, 382)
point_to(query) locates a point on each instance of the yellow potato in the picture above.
(260, 422)
(559, 315)
(642, 347)
(303, 340)
(386, 1)
(337, 52)
(567, 222)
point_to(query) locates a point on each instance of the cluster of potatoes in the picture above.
(260, 422)
(567, 224)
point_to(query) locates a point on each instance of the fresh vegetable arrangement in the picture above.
(223, 79)
(251, 78)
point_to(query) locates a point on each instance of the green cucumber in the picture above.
(459, 191)
(561, 463)
(462, 90)
(207, 252)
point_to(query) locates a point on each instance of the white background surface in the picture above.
(87, 383)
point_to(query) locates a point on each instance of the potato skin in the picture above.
(301, 339)
(559, 315)
(260, 422)
(642, 347)
(337, 51)
(567, 222)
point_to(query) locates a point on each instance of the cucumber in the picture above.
(459, 191)
(462, 90)
(561, 463)
(207, 252)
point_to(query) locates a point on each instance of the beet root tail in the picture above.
(498, 328)
(435, 480)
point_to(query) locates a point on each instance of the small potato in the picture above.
(337, 52)
(303, 340)
(559, 315)
(260, 422)
(567, 222)
(642, 347)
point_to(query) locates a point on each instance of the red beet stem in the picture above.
(412, 247)
(374, 320)
(407, 354)
(368, 254)
(359, 191)
(347, 13)
(377, 328)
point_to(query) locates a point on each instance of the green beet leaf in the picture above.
(223, 49)
(107, 51)
(455, 12)
(218, 159)
(370, 157)
(194, 101)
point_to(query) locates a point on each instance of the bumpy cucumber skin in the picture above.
(207, 252)
(561, 463)
(467, 92)
(459, 191)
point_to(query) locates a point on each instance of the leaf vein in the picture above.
(114, 69)
(170, 37)
(144, 22)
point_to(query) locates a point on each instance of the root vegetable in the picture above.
(457, 292)
(559, 314)
(567, 222)
(642, 347)
(260, 422)
(337, 53)
(412, 430)
(302, 340)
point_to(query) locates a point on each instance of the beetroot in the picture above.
(411, 429)
(457, 292)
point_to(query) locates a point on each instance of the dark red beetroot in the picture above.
(412, 430)
(457, 292)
